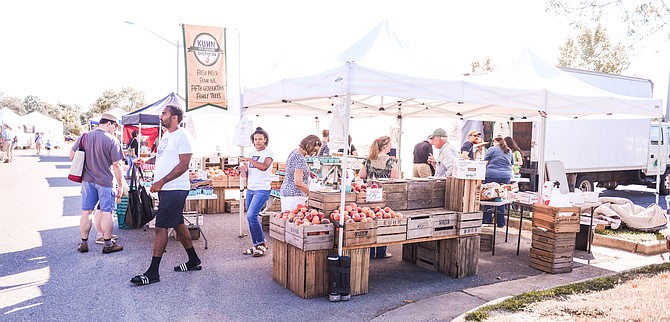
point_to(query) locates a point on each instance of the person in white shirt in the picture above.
(172, 184)
(445, 159)
(257, 168)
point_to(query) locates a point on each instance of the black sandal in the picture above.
(186, 268)
(144, 280)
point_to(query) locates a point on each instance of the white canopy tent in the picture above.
(405, 88)
(52, 128)
(8, 116)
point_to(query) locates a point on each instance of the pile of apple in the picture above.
(231, 172)
(353, 213)
(301, 216)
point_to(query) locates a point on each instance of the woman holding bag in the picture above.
(257, 168)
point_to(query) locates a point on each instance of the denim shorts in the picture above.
(91, 193)
(171, 208)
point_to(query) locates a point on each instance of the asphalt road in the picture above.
(44, 278)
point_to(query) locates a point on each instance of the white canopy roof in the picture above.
(382, 74)
(8, 116)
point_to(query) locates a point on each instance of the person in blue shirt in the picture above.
(498, 169)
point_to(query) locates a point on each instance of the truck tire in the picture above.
(664, 187)
(610, 186)
(584, 183)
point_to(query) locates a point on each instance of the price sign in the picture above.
(373, 195)
(233, 161)
(316, 164)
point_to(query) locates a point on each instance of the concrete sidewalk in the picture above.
(455, 305)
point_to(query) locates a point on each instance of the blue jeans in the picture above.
(130, 165)
(488, 210)
(255, 202)
(378, 252)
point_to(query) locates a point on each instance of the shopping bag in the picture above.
(140, 205)
(78, 162)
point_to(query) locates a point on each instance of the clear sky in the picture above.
(72, 51)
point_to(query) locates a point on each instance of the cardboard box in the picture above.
(470, 169)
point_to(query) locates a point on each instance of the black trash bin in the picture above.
(582, 237)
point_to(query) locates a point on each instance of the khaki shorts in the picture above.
(421, 170)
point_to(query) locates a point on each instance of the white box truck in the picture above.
(608, 152)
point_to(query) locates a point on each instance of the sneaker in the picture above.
(83, 247)
(112, 248)
(100, 240)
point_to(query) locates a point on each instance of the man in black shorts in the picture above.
(172, 184)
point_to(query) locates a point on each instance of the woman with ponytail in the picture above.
(257, 168)
(498, 169)
(379, 164)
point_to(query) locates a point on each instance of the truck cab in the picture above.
(659, 156)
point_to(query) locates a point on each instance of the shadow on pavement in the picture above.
(62, 166)
(61, 182)
(72, 206)
(48, 158)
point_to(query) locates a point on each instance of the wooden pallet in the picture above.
(470, 223)
(278, 229)
(308, 272)
(358, 233)
(462, 194)
(312, 237)
(555, 219)
(391, 230)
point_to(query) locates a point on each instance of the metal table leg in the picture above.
(518, 242)
(507, 223)
(588, 237)
(495, 225)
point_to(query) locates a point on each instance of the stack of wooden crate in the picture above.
(553, 238)
(462, 194)
(470, 223)
(456, 257)
(395, 192)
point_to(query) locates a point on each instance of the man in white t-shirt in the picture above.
(172, 184)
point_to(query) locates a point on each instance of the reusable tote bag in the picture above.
(140, 204)
(77, 168)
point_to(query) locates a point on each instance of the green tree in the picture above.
(13, 103)
(127, 99)
(485, 65)
(593, 50)
(33, 103)
(642, 19)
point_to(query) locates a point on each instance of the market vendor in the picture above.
(422, 151)
(379, 164)
(294, 188)
(445, 159)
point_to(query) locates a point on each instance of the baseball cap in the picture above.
(474, 132)
(109, 116)
(439, 132)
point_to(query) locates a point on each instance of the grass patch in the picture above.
(521, 301)
(634, 235)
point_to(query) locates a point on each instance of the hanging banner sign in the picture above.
(204, 49)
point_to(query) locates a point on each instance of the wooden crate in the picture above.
(328, 201)
(395, 192)
(409, 252)
(557, 243)
(278, 229)
(419, 193)
(359, 233)
(550, 262)
(264, 220)
(459, 257)
(279, 262)
(558, 220)
(419, 225)
(486, 241)
(234, 181)
(219, 181)
(437, 197)
(462, 194)
(470, 223)
(427, 255)
(360, 270)
(232, 206)
(308, 272)
(312, 237)
(391, 230)
(445, 224)
(273, 204)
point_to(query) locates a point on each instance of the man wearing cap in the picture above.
(444, 162)
(103, 151)
(467, 150)
(422, 151)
